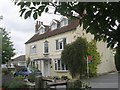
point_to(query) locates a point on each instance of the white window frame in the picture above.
(42, 30)
(59, 66)
(53, 26)
(46, 43)
(59, 42)
(33, 49)
(64, 22)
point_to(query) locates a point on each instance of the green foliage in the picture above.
(7, 47)
(92, 51)
(31, 8)
(14, 83)
(117, 59)
(77, 84)
(17, 83)
(74, 56)
(4, 71)
(98, 18)
(31, 77)
(28, 61)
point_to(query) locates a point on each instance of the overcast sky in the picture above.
(20, 29)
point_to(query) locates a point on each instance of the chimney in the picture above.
(38, 23)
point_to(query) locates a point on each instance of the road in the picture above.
(109, 81)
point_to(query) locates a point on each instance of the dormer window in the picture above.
(54, 26)
(42, 30)
(64, 22)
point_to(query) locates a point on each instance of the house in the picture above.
(19, 61)
(45, 47)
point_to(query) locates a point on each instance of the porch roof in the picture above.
(39, 59)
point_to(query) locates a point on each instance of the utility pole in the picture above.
(1, 18)
(87, 67)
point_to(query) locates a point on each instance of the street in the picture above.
(109, 81)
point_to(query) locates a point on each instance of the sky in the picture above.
(20, 29)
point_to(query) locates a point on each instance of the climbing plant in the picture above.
(92, 51)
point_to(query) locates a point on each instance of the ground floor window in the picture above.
(59, 65)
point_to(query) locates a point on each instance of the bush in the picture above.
(56, 78)
(77, 85)
(64, 77)
(5, 71)
(15, 83)
(31, 77)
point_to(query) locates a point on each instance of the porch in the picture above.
(42, 64)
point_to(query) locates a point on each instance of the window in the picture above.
(60, 66)
(46, 47)
(60, 43)
(54, 26)
(64, 22)
(42, 30)
(33, 49)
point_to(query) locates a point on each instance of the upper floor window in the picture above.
(64, 22)
(42, 30)
(59, 66)
(54, 26)
(45, 47)
(33, 49)
(60, 43)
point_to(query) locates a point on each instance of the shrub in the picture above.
(31, 77)
(15, 83)
(77, 84)
(4, 71)
(56, 78)
(64, 77)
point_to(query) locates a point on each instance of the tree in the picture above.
(98, 18)
(117, 59)
(7, 47)
(75, 54)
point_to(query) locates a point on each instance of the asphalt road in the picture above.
(108, 81)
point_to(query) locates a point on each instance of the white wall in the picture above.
(107, 59)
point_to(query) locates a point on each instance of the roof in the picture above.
(71, 26)
(20, 58)
(42, 59)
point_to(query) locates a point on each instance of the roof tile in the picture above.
(57, 31)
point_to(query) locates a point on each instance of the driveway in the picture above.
(109, 81)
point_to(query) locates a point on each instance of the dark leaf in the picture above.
(35, 15)
(22, 11)
(32, 8)
(28, 4)
(27, 14)
(46, 10)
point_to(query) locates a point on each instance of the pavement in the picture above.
(107, 81)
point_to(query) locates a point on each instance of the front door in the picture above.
(45, 68)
